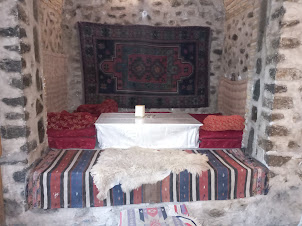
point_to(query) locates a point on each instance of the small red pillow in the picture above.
(222, 123)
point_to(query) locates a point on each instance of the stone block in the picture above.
(13, 132)
(270, 88)
(41, 130)
(254, 113)
(272, 117)
(275, 59)
(283, 103)
(268, 103)
(29, 146)
(24, 48)
(118, 8)
(14, 102)
(13, 48)
(250, 145)
(22, 15)
(14, 116)
(256, 92)
(23, 83)
(292, 144)
(9, 32)
(276, 161)
(8, 65)
(278, 13)
(22, 33)
(157, 3)
(23, 63)
(36, 44)
(217, 51)
(216, 213)
(39, 83)
(266, 116)
(288, 74)
(277, 116)
(12, 208)
(265, 144)
(258, 66)
(280, 89)
(175, 3)
(20, 176)
(275, 130)
(39, 107)
(289, 23)
(289, 43)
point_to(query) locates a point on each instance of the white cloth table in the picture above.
(155, 130)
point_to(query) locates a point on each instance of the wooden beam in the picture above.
(2, 218)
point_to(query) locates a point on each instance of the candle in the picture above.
(140, 111)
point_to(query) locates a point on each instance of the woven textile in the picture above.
(158, 67)
(232, 97)
(62, 180)
(176, 215)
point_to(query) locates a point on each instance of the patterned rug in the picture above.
(159, 67)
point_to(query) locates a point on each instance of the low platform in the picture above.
(62, 180)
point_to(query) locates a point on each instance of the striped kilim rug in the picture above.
(62, 180)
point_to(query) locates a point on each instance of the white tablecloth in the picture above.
(161, 130)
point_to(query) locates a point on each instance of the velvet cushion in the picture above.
(227, 134)
(222, 123)
(72, 142)
(220, 143)
(106, 106)
(85, 132)
(70, 121)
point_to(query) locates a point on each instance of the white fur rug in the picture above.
(136, 166)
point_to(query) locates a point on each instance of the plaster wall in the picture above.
(158, 13)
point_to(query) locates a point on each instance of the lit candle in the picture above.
(140, 111)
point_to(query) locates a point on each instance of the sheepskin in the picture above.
(136, 166)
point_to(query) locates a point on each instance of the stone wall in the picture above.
(274, 119)
(282, 205)
(55, 62)
(22, 114)
(157, 13)
(241, 31)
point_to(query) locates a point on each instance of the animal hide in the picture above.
(136, 166)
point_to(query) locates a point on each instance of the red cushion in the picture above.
(72, 142)
(70, 121)
(85, 132)
(106, 106)
(222, 123)
(201, 117)
(220, 143)
(228, 134)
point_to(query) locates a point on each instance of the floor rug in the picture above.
(172, 215)
(160, 67)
